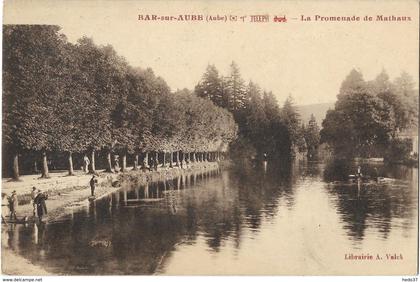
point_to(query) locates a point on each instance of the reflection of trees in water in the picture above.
(212, 210)
(246, 198)
(141, 236)
(307, 169)
(219, 208)
(338, 169)
(259, 191)
(372, 205)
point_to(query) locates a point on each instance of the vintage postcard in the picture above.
(210, 138)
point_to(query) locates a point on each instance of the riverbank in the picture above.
(69, 193)
(13, 264)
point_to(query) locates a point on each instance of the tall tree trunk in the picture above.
(45, 173)
(136, 161)
(164, 159)
(193, 157)
(15, 167)
(171, 159)
(124, 161)
(92, 162)
(71, 171)
(157, 158)
(146, 190)
(218, 156)
(109, 162)
(36, 167)
(177, 158)
(187, 157)
(146, 160)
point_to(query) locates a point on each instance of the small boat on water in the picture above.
(355, 178)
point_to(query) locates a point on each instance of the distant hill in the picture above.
(318, 110)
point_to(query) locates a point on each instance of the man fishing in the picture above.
(92, 183)
(13, 203)
(41, 207)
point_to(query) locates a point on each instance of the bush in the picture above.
(398, 151)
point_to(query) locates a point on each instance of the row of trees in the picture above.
(370, 115)
(264, 127)
(77, 98)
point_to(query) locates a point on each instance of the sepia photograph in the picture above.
(201, 138)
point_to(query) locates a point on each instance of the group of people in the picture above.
(37, 200)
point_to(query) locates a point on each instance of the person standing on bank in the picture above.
(41, 207)
(13, 203)
(33, 195)
(86, 163)
(93, 182)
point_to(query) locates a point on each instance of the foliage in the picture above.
(311, 136)
(368, 115)
(64, 97)
(261, 124)
(398, 150)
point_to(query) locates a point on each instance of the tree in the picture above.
(404, 90)
(257, 114)
(353, 83)
(312, 137)
(276, 135)
(255, 119)
(33, 86)
(235, 90)
(98, 77)
(210, 86)
(69, 98)
(363, 121)
(69, 110)
(291, 119)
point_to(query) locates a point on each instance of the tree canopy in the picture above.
(64, 97)
(369, 115)
(264, 127)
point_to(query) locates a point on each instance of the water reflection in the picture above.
(147, 229)
(371, 204)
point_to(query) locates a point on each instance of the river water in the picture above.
(290, 219)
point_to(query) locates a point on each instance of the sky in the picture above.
(305, 59)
